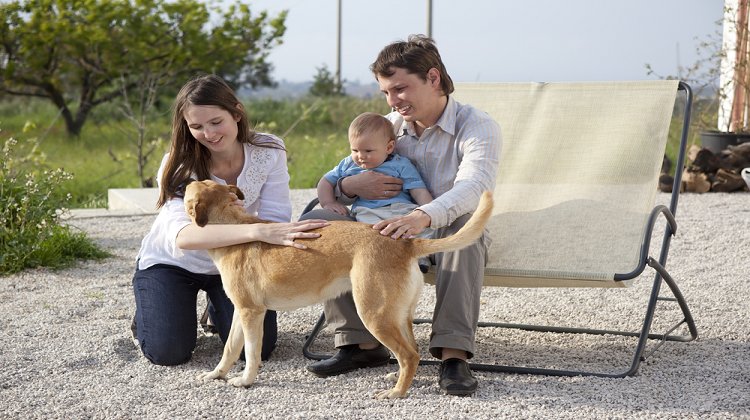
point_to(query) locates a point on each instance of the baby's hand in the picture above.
(336, 208)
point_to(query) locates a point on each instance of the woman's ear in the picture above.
(237, 116)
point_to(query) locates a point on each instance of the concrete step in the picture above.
(142, 201)
(137, 200)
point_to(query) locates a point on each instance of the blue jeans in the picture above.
(165, 313)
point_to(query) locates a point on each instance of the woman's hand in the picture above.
(237, 201)
(286, 233)
(215, 236)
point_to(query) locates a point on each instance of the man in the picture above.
(456, 149)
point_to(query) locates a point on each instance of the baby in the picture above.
(372, 141)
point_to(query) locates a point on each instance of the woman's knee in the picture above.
(170, 355)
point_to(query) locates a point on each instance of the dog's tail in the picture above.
(465, 236)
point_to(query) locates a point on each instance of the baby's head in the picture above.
(371, 139)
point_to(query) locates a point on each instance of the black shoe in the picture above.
(424, 264)
(456, 378)
(350, 358)
(207, 324)
(133, 333)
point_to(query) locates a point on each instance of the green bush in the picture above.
(31, 203)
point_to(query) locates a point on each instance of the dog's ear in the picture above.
(200, 214)
(237, 192)
(197, 211)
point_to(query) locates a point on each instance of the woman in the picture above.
(211, 139)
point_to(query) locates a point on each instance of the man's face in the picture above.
(415, 99)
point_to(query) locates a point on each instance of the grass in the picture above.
(103, 157)
(30, 199)
(63, 248)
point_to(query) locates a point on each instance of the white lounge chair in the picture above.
(575, 200)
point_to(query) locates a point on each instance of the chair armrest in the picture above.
(646, 242)
(311, 205)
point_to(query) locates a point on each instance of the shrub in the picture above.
(31, 204)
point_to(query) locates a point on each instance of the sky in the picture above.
(499, 40)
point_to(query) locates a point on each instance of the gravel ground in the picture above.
(66, 351)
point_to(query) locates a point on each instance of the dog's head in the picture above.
(206, 201)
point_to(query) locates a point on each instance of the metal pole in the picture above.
(429, 18)
(337, 88)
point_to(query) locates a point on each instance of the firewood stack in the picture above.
(706, 171)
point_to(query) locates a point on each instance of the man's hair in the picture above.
(417, 56)
(370, 122)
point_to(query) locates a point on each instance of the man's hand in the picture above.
(371, 185)
(405, 226)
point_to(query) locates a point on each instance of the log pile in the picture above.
(706, 171)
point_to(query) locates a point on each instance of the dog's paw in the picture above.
(392, 377)
(389, 394)
(208, 376)
(241, 382)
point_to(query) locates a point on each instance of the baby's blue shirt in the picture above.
(396, 166)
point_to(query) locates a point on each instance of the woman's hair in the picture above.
(187, 157)
(370, 122)
(417, 56)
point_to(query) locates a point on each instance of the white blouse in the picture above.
(264, 181)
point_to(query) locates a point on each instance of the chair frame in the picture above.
(645, 334)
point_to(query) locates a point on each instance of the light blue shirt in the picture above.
(396, 166)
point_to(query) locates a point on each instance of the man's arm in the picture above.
(370, 185)
(476, 173)
(404, 226)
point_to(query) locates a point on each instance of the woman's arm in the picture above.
(216, 236)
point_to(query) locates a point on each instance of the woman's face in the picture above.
(213, 126)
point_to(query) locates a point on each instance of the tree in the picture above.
(77, 52)
(136, 110)
(324, 84)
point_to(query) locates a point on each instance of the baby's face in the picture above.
(370, 150)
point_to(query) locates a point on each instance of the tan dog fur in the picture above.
(385, 279)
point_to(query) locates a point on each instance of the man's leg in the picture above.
(357, 347)
(458, 285)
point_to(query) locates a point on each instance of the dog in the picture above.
(382, 274)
